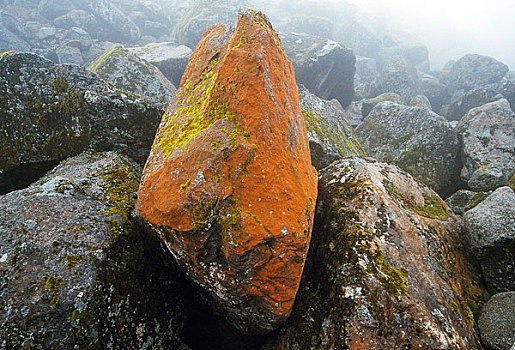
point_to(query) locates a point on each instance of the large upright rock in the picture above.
(383, 270)
(75, 271)
(490, 230)
(417, 140)
(323, 66)
(488, 134)
(49, 112)
(229, 184)
(130, 73)
(329, 134)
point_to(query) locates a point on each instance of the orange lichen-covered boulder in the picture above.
(229, 184)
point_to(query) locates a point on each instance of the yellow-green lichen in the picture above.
(6, 53)
(185, 185)
(53, 284)
(345, 143)
(230, 224)
(433, 206)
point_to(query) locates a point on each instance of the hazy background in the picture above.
(450, 28)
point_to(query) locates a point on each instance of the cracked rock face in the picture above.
(229, 184)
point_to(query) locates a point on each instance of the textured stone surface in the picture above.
(168, 57)
(497, 322)
(229, 184)
(473, 70)
(461, 102)
(200, 15)
(400, 77)
(356, 36)
(417, 140)
(330, 136)
(488, 134)
(75, 271)
(369, 104)
(490, 228)
(130, 73)
(323, 66)
(436, 92)
(463, 200)
(383, 270)
(367, 80)
(49, 112)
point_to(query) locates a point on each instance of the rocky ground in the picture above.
(283, 182)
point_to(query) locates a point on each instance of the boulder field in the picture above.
(229, 184)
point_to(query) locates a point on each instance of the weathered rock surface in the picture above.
(367, 80)
(323, 66)
(168, 57)
(383, 270)
(463, 200)
(330, 136)
(436, 92)
(417, 140)
(200, 15)
(488, 134)
(368, 105)
(229, 184)
(75, 272)
(49, 112)
(497, 322)
(490, 228)
(401, 78)
(473, 70)
(312, 25)
(130, 73)
(462, 102)
(356, 36)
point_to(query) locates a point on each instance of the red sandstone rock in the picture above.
(229, 184)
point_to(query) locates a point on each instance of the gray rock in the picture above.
(508, 88)
(417, 140)
(130, 73)
(355, 35)
(12, 36)
(367, 79)
(69, 55)
(488, 134)
(77, 18)
(330, 136)
(497, 322)
(75, 270)
(461, 102)
(323, 66)
(168, 57)
(380, 236)
(463, 200)
(401, 78)
(120, 28)
(353, 113)
(473, 70)
(369, 104)
(312, 25)
(49, 112)
(490, 228)
(436, 92)
(51, 9)
(201, 15)
(420, 101)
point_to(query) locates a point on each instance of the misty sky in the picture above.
(452, 28)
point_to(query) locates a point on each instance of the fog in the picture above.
(450, 28)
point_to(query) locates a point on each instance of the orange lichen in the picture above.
(220, 137)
